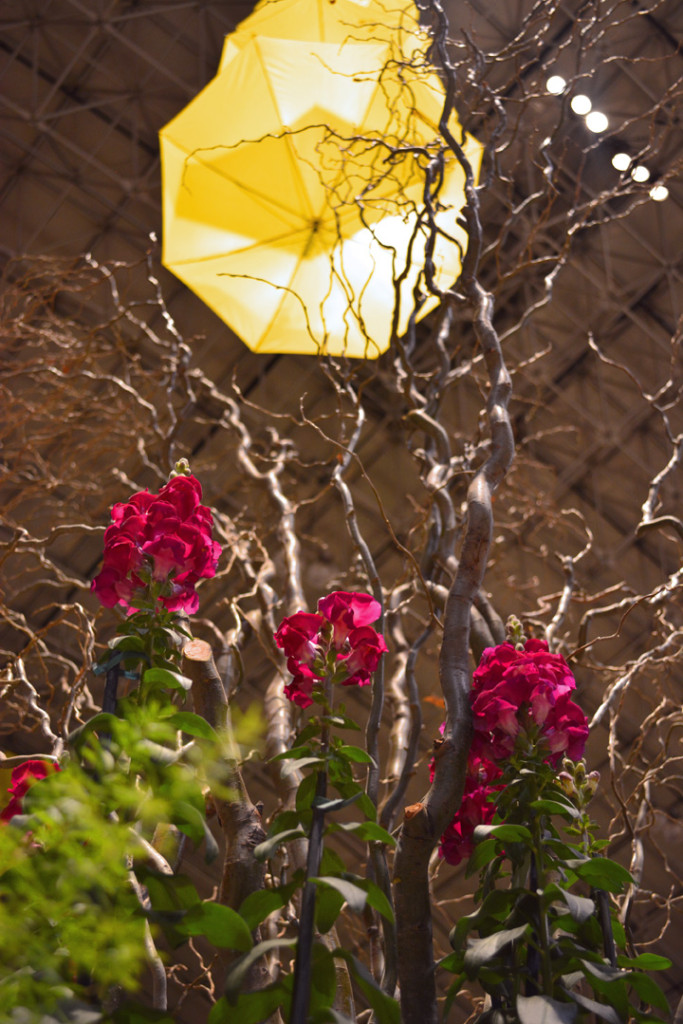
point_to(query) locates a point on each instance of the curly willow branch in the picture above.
(424, 822)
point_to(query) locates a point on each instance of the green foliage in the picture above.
(69, 919)
(71, 923)
(316, 749)
(537, 926)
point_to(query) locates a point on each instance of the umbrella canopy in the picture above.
(329, 21)
(293, 193)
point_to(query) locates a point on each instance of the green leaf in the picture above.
(602, 1010)
(306, 792)
(561, 849)
(355, 754)
(102, 720)
(221, 925)
(483, 950)
(645, 962)
(170, 896)
(339, 720)
(166, 678)
(544, 1010)
(331, 863)
(328, 1015)
(648, 990)
(140, 1015)
(256, 907)
(268, 847)
(353, 894)
(297, 763)
(603, 971)
(385, 1008)
(497, 906)
(193, 725)
(452, 963)
(601, 873)
(323, 977)
(284, 821)
(580, 907)
(293, 752)
(377, 898)
(190, 821)
(329, 804)
(251, 1007)
(350, 789)
(328, 905)
(483, 854)
(610, 983)
(239, 971)
(554, 807)
(167, 892)
(506, 833)
(370, 831)
(455, 987)
(73, 1011)
(128, 642)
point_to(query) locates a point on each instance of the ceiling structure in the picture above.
(87, 84)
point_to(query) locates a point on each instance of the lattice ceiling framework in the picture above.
(85, 86)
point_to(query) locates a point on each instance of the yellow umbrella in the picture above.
(293, 189)
(329, 21)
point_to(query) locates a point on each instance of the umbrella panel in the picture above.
(330, 21)
(296, 237)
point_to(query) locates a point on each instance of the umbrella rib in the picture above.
(285, 138)
(288, 290)
(262, 243)
(268, 202)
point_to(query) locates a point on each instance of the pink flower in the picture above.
(477, 808)
(22, 778)
(526, 692)
(300, 690)
(518, 697)
(347, 611)
(566, 730)
(298, 634)
(367, 647)
(339, 634)
(164, 537)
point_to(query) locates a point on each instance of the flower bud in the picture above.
(567, 783)
(590, 786)
(515, 632)
(181, 468)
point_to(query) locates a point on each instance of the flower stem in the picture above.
(301, 993)
(537, 884)
(302, 967)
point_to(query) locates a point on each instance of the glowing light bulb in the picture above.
(621, 161)
(596, 122)
(556, 85)
(640, 173)
(659, 193)
(581, 104)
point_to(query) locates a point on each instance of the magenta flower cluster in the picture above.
(338, 638)
(526, 693)
(21, 780)
(165, 538)
(477, 808)
(521, 700)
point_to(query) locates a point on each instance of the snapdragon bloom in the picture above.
(22, 778)
(165, 538)
(526, 693)
(477, 808)
(520, 699)
(340, 628)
